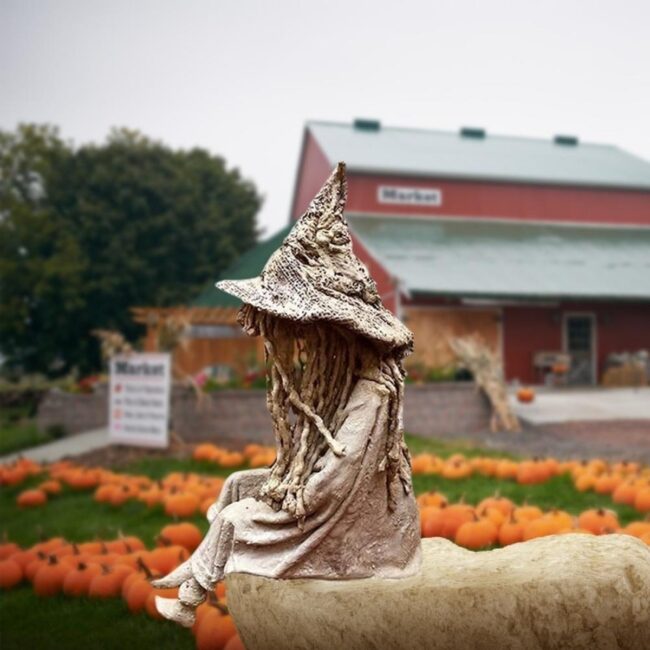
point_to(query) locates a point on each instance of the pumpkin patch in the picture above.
(97, 568)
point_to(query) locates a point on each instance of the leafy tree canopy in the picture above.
(88, 232)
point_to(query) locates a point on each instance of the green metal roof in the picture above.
(443, 154)
(248, 265)
(499, 259)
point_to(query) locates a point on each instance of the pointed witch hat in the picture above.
(315, 276)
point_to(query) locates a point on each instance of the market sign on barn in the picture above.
(426, 196)
(139, 400)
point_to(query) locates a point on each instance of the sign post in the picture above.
(139, 400)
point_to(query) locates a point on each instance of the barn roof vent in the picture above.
(361, 124)
(472, 132)
(566, 140)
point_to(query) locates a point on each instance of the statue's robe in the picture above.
(349, 530)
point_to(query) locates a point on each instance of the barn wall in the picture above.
(619, 327)
(526, 331)
(314, 168)
(506, 200)
(432, 327)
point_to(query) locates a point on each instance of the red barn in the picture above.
(541, 246)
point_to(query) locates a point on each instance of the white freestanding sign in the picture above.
(139, 400)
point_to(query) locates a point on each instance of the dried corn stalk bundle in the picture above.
(172, 332)
(476, 356)
(112, 343)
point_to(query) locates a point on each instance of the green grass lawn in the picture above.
(18, 431)
(55, 623)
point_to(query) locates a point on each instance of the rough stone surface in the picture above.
(446, 408)
(562, 592)
(75, 412)
(456, 411)
(235, 417)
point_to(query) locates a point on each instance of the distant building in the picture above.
(540, 246)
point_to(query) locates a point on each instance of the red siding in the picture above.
(313, 170)
(382, 278)
(509, 201)
(527, 330)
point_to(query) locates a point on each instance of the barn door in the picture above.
(579, 343)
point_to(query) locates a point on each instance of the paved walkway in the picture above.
(567, 405)
(71, 446)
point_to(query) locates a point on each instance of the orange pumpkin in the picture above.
(625, 493)
(586, 481)
(182, 504)
(637, 528)
(598, 521)
(7, 549)
(538, 528)
(251, 450)
(122, 494)
(511, 532)
(166, 558)
(531, 472)
(31, 498)
(137, 593)
(261, 460)
(607, 483)
(11, 573)
(125, 545)
(642, 499)
(183, 534)
(495, 516)
(431, 521)
(453, 517)
(49, 577)
(232, 459)
(477, 534)
(504, 505)
(106, 584)
(204, 452)
(432, 499)
(31, 568)
(77, 580)
(456, 469)
(507, 469)
(51, 487)
(214, 631)
(526, 395)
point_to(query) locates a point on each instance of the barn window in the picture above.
(215, 332)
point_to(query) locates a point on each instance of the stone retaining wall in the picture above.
(75, 412)
(440, 409)
(235, 417)
(230, 417)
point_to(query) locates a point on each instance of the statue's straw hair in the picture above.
(312, 370)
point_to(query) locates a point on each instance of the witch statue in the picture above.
(338, 502)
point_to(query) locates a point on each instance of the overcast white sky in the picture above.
(240, 78)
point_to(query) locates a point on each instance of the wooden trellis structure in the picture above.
(214, 337)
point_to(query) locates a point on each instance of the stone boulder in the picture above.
(564, 592)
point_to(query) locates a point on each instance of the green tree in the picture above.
(130, 222)
(41, 266)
